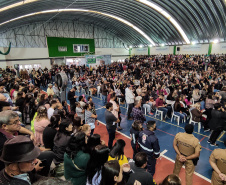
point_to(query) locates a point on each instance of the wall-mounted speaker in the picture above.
(178, 48)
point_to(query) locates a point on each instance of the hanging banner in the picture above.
(7, 52)
(96, 60)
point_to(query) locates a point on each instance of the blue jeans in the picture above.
(164, 109)
(182, 115)
(148, 107)
(104, 98)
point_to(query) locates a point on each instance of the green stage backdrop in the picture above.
(59, 47)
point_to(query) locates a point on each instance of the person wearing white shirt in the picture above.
(130, 96)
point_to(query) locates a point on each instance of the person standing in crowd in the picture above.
(134, 134)
(139, 172)
(104, 91)
(130, 96)
(72, 98)
(188, 148)
(115, 110)
(56, 90)
(111, 123)
(18, 167)
(217, 123)
(149, 144)
(50, 111)
(117, 152)
(138, 113)
(218, 163)
(90, 117)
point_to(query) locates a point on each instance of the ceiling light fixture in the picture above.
(83, 10)
(193, 42)
(215, 41)
(130, 46)
(167, 15)
(162, 45)
(140, 46)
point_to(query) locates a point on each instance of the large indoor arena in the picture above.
(113, 92)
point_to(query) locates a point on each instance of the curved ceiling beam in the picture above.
(165, 14)
(83, 10)
(17, 4)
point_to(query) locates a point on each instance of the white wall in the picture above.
(111, 51)
(219, 48)
(184, 49)
(193, 49)
(25, 53)
(2, 57)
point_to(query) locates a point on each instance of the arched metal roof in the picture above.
(200, 19)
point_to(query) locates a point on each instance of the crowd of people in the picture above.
(41, 136)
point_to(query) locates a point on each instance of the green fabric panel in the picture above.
(149, 49)
(130, 51)
(7, 52)
(174, 50)
(54, 42)
(210, 48)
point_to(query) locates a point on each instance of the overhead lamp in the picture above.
(193, 42)
(84, 10)
(130, 46)
(215, 41)
(150, 45)
(162, 45)
(140, 46)
(168, 16)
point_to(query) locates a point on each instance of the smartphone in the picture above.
(44, 163)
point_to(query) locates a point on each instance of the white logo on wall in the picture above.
(62, 48)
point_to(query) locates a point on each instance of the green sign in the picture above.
(91, 60)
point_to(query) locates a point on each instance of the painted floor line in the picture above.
(162, 154)
(100, 108)
(201, 176)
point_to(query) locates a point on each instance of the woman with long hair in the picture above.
(134, 134)
(50, 131)
(75, 159)
(98, 157)
(61, 140)
(117, 152)
(111, 173)
(40, 123)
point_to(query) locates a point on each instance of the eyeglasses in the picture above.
(15, 122)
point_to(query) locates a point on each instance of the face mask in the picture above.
(155, 128)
